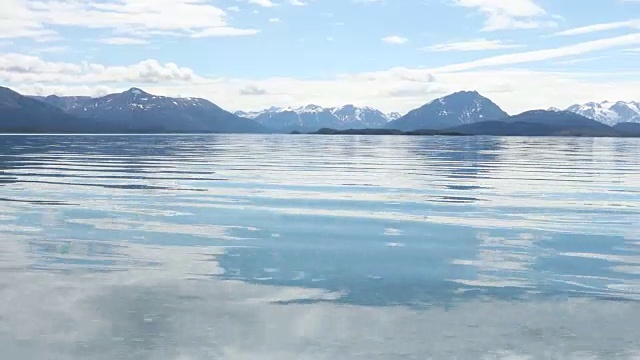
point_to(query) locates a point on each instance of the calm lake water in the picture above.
(319, 247)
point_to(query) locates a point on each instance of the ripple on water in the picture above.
(283, 247)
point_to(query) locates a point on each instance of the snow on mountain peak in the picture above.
(609, 112)
(393, 116)
(312, 108)
(135, 91)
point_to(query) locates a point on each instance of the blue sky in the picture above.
(390, 54)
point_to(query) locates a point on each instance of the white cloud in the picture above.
(511, 14)
(21, 65)
(395, 39)
(15, 68)
(33, 18)
(274, 20)
(471, 45)
(18, 20)
(297, 3)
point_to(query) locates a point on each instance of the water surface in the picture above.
(319, 247)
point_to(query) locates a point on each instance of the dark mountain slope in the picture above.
(628, 128)
(20, 113)
(539, 123)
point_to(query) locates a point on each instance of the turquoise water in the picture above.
(319, 247)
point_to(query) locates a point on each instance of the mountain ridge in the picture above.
(539, 123)
(135, 110)
(312, 117)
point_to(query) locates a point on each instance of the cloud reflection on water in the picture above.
(173, 309)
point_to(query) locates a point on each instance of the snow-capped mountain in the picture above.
(609, 113)
(464, 107)
(132, 99)
(313, 117)
(136, 110)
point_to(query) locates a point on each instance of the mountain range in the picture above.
(464, 112)
(609, 113)
(313, 117)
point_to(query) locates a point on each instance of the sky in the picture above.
(394, 55)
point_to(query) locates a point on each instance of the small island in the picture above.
(328, 131)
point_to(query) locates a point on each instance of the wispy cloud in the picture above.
(122, 41)
(50, 49)
(632, 24)
(582, 60)
(471, 45)
(545, 54)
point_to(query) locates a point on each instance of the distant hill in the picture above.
(329, 131)
(539, 123)
(563, 119)
(628, 128)
(137, 111)
(20, 113)
(313, 117)
(465, 107)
